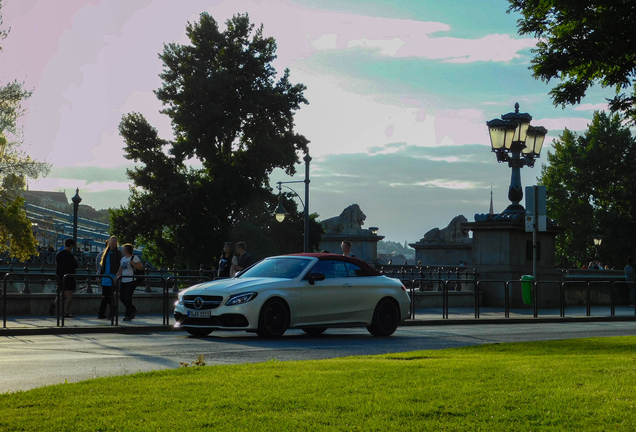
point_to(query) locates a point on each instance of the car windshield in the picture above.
(281, 268)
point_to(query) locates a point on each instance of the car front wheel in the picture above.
(272, 322)
(199, 332)
(385, 318)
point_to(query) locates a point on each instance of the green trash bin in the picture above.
(527, 289)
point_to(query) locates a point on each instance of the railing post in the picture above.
(535, 299)
(26, 289)
(89, 288)
(147, 278)
(174, 272)
(588, 309)
(506, 299)
(612, 306)
(562, 298)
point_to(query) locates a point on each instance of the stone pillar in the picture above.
(502, 250)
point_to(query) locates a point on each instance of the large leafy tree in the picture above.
(582, 43)
(590, 182)
(16, 235)
(233, 123)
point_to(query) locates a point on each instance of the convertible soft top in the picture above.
(370, 270)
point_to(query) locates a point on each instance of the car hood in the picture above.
(234, 286)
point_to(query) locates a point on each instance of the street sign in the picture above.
(536, 207)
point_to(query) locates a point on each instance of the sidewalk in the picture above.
(41, 325)
(34, 325)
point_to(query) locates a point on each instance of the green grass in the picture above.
(573, 385)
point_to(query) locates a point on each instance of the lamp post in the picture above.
(598, 240)
(76, 202)
(280, 210)
(513, 140)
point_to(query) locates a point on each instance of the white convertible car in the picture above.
(312, 292)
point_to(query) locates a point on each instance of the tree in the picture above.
(582, 43)
(590, 183)
(16, 235)
(233, 124)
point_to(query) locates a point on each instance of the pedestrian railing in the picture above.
(539, 294)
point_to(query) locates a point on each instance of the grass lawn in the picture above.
(573, 385)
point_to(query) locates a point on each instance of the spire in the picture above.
(491, 206)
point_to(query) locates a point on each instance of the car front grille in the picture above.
(208, 301)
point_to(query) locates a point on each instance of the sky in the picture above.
(399, 92)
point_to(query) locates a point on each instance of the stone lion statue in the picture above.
(453, 233)
(351, 219)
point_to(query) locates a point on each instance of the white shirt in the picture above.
(127, 268)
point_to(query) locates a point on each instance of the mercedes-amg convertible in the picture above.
(312, 292)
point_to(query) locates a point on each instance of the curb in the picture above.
(42, 331)
(542, 320)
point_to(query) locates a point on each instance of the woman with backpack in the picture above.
(127, 266)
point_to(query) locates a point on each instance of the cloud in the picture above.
(591, 107)
(560, 123)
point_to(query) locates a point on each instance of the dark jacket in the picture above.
(65, 263)
(115, 260)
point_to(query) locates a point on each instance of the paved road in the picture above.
(33, 361)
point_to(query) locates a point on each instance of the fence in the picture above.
(609, 287)
(166, 281)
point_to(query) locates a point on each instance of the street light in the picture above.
(76, 202)
(374, 230)
(515, 141)
(280, 212)
(598, 240)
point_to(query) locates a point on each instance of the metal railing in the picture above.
(164, 282)
(607, 287)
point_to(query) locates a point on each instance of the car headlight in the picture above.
(180, 299)
(241, 298)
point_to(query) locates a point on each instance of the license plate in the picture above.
(199, 314)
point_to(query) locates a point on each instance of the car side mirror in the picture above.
(313, 277)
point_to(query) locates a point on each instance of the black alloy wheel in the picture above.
(198, 332)
(272, 322)
(385, 318)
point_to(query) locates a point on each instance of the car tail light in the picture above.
(403, 287)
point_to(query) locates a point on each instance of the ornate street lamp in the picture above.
(598, 241)
(76, 202)
(515, 141)
(280, 212)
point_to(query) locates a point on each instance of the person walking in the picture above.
(630, 277)
(109, 266)
(127, 266)
(227, 262)
(244, 259)
(65, 263)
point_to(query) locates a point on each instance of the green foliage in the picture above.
(590, 183)
(574, 385)
(233, 124)
(582, 43)
(16, 235)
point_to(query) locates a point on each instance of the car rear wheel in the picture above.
(199, 332)
(314, 331)
(272, 322)
(385, 318)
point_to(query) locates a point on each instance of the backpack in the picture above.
(136, 280)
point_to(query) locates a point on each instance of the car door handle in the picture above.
(346, 285)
